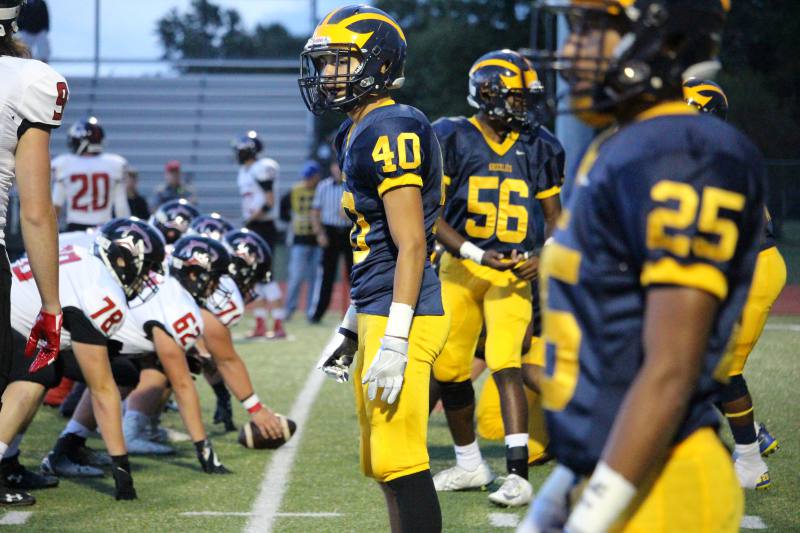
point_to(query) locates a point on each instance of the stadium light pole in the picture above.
(96, 38)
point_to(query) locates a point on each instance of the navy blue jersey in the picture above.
(393, 146)
(492, 188)
(672, 199)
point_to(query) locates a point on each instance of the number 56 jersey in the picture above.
(84, 284)
(673, 199)
(392, 146)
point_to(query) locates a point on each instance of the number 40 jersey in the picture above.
(670, 200)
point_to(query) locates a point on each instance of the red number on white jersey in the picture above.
(61, 100)
(98, 196)
(113, 315)
(187, 328)
(227, 310)
(22, 269)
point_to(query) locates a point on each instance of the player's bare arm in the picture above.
(457, 245)
(176, 369)
(405, 217)
(218, 340)
(37, 216)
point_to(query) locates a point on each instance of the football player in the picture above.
(646, 277)
(95, 287)
(256, 180)
(498, 163)
(90, 182)
(752, 440)
(173, 219)
(392, 165)
(32, 96)
(167, 325)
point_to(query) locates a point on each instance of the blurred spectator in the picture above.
(332, 229)
(303, 251)
(34, 25)
(173, 187)
(136, 201)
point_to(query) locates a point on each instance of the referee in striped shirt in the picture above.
(333, 236)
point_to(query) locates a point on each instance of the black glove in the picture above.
(123, 481)
(208, 458)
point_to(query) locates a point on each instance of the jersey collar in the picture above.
(498, 148)
(664, 109)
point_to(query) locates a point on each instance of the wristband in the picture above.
(604, 498)
(548, 241)
(252, 404)
(471, 252)
(350, 320)
(399, 323)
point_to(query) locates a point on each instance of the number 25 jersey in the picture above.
(392, 146)
(674, 199)
(491, 187)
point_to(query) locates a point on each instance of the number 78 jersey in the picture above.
(491, 187)
(667, 201)
(84, 284)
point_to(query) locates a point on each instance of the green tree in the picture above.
(207, 31)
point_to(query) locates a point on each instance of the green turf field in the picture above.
(324, 486)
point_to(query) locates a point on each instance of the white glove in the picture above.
(387, 369)
(338, 354)
(549, 510)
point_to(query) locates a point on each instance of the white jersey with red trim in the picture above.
(227, 303)
(84, 283)
(90, 186)
(172, 309)
(31, 92)
(254, 182)
(84, 239)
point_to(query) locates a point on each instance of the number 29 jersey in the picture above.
(392, 146)
(670, 200)
(491, 187)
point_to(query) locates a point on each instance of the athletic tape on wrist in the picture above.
(252, 403)
(400, 317)
(471, 251)
(350, 321)
(606, 495)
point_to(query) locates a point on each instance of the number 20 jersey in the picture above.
(491, 188)
(84, 283)
(393, 146)
(90, 186)
(671, 200)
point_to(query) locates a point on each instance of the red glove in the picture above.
(46, 328)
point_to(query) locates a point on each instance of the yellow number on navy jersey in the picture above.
(497, 216)
(560, 328)
(382, 152)
(664, 224)
(358, 234)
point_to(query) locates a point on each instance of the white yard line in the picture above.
(506, 520)
(753, 522)
(15, 518)
(276, 477)
(782, 327)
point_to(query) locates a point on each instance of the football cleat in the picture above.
(752, 474)
(56, 395)
(277, 331)
(16, 476)
(458, 478)
(123, 484)
(91, 457)
(767, 444)
(135, 428)
(14, 497)
(515, 491)
(62, 466)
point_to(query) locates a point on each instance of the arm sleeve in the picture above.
(44, 98)
(391, 153)
(551, 174)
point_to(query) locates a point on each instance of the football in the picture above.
(251, 437)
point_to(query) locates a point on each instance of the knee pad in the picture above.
(457, 395)
(735, 389)
(126, 373)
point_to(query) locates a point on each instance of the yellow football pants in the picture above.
(394, 437)
(695, 490)
(474, 295)
(768, 281)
